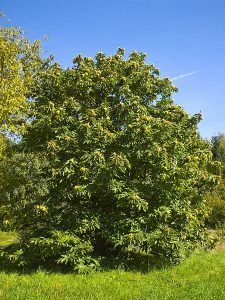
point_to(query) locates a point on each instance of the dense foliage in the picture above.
(218, 149)
(22, 184)
(109, 165)
(216, 207)
(216, 199)
(19, 64)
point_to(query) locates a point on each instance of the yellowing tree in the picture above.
(19, 63)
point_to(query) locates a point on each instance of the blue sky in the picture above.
(179, 36)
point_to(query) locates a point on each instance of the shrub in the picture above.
(61, 248)
(218, 150)
(216, 207)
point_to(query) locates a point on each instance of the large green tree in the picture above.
(127, 169)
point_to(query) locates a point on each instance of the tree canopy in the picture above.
(123, 168)
(19, 62)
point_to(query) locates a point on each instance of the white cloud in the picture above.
(184, 75)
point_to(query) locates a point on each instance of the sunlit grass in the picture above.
(7, 238)
(199, 277)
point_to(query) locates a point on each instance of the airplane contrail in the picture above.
(184, 75)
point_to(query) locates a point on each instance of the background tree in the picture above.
(19, 62)
(218, 149)
(127, 168)
(216, 199)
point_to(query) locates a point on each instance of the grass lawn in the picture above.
(202, 276)
(7, 238)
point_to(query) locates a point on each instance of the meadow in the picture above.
(201, 276)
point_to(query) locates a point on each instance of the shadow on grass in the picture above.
(10, 260)
(123, 261)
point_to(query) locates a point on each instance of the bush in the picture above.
(58, 248)
(218, 150)
(216, 207)
(127, 170)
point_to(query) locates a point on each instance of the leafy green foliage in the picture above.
(216, 199)
(215, 202)
(22, 188)
(126, 168)
(19, 64)
(61, 248)
(218, 149)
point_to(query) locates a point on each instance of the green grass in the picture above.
(7, 238)
(199, 277)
